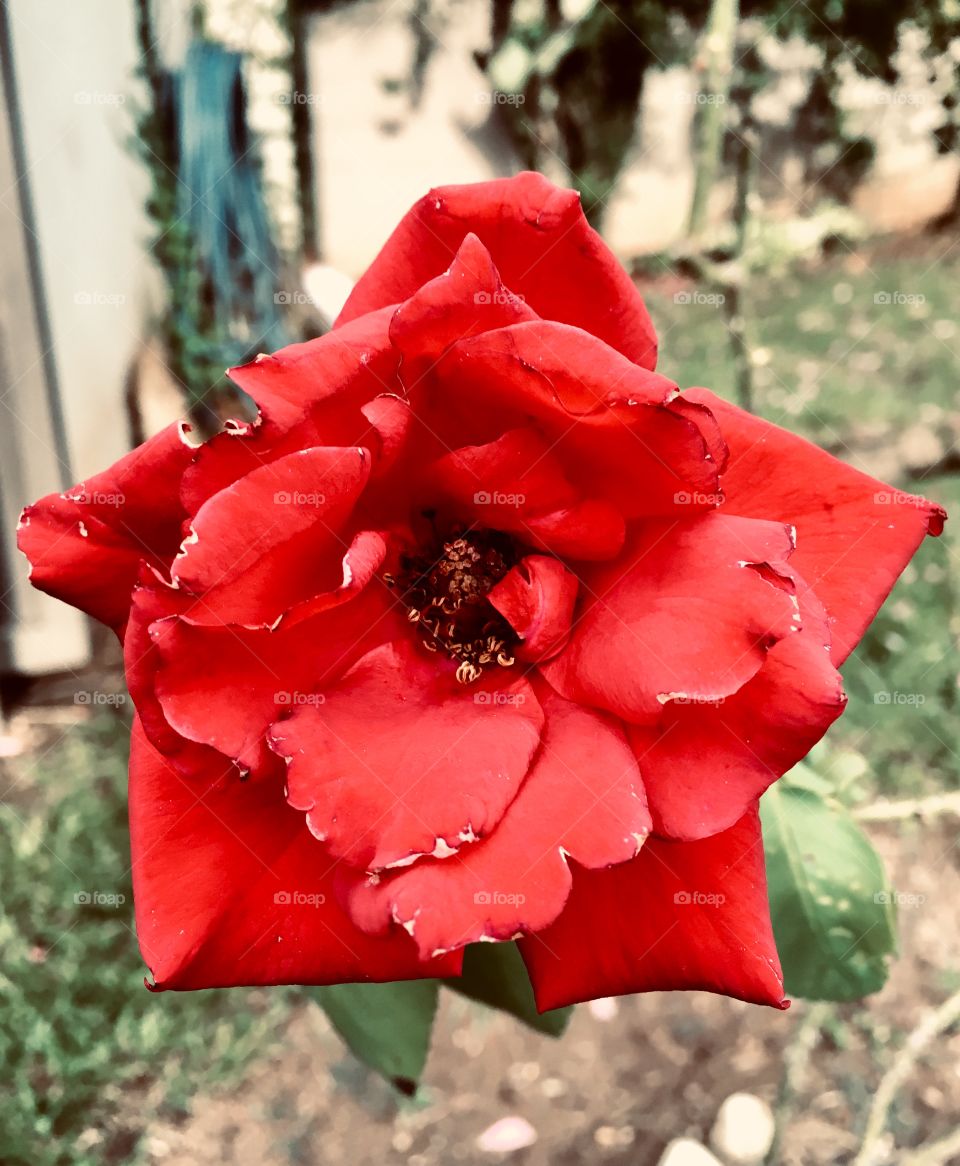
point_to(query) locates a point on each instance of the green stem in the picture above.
(717, 56)
(733, 302)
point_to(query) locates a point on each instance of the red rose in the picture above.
(481, 630)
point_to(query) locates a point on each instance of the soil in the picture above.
(623, 1081)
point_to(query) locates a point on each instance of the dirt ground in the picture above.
(616, 1088)
(625, 1079)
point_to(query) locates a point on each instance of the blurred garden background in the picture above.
(186, 184)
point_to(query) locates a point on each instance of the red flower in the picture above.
(481, 630)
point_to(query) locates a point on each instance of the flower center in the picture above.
(445, 591)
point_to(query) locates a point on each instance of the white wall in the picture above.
(75, 67)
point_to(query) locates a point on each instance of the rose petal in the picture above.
(537, 598)
(154, 600)
(516, 484)
(690, 915)
(308, 394)
(230, 888)
(689, 611)
(621, 432)
(568, 373)
(225, 686)
(704, 764)
(582, 798)
(85, 545)
(401, 761)
(391, 421)
(272, 539)
(353, 365)
(542, 245)
(854, 534)
(468, 298)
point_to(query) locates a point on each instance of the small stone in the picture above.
(613, 1137)
(10, 745)
(744, 1129)
(605, 1008)
(687, 1152)
(90, 1138)
(920, 447)
(402, 1141)
(553, 1087)
(507, 1135)
(523, 1073)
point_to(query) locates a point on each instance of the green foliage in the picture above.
(213, 240)
(495, 975)
(832, 908)
(387, 1026)
(903, 721)
(582, 79)
(87, 1052)
(832, 362)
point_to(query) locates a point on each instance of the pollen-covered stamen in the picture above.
(445, 593)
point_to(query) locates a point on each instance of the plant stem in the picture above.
(930, 1027)
(948, 803)
(733, 297)
(717, 57)
(796, 1061)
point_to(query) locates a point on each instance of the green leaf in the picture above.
(494, 974)
(833, 914)
(386, 1025)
